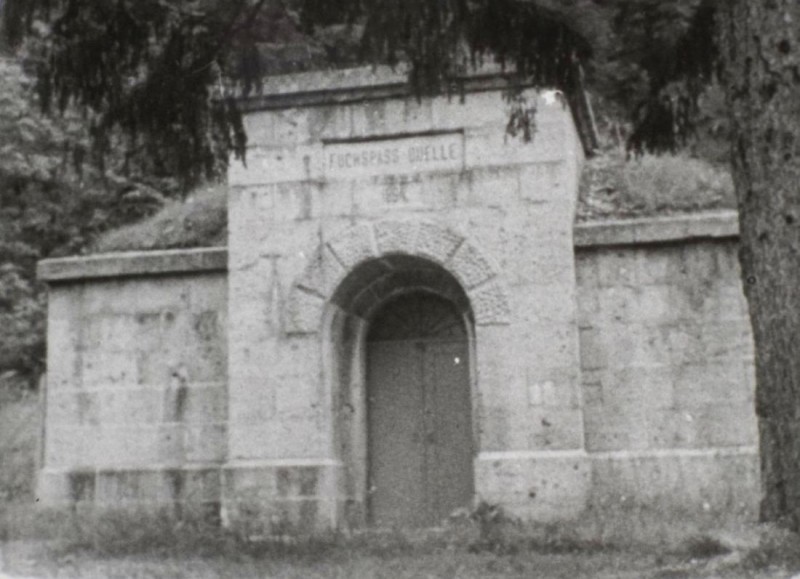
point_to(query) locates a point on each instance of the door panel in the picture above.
(397, 463)
(419, 413)
(448, 413)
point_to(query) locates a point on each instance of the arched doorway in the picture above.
(419, 412)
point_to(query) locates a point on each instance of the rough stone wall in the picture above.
(668, 377)
(611, 364)
(136, 403)
(494, 212)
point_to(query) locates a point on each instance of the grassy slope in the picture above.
(611, 188)
(200, 220)
(373, 557)
(615, 188)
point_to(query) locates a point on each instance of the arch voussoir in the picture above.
(356, 246)
(490, 304)
(396, 237)
(437, 243)
(470, 266)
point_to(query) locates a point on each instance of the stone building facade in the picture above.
(406, 321)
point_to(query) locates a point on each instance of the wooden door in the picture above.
(419, 413)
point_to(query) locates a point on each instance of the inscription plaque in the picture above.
(394, 156)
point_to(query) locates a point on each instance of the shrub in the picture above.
(22, 321)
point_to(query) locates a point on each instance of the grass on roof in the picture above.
(612, 187)
(200, 220)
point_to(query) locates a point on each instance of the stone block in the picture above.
(651, 305)
(267, 165)
(293, 201)
(726, 425)
(249, 208)
(592, 388)
(290, 127)
(654, 266)
(294, 438)
(471, 266)
(693, 343)
(396, 236)
(614, 427)
(64, 305)
(203, 404)
(555, 428)
(110, 332)
(251, 399)
(586, 268)
(153, 368)
(490, 305)
(436, 242)
(353, 246)
(260, 128)
(205, 443)
(335, 198)
(73, 408)
(378, 118)
(491, 187)
(541, 488)
(488, 147)
(593, 353)
(526, 265)
(66, 446)
(209, 293)
(617, 268)
(202, 485)
(53, 487)
(323, 272)
(295, 396)
(329, 122)
(131, 406)
(64, 363)
(682, 483)
(554, 387)
(474, 110)
(205, 347)
(254, 483)
(441, 191)
(648, 387)
(135, 445)
(130, 486)
(616, 306)
(167, 444)
(304, 312)
(697, 385)
(544, 182)
(495, 429)
(551, 346)
(732, 303)
(543, 305)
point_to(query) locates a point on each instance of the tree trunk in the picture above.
(760, 44)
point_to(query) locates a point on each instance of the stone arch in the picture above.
(376, 248)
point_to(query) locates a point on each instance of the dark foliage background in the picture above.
(110, 109)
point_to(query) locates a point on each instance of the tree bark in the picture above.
(760, 46)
